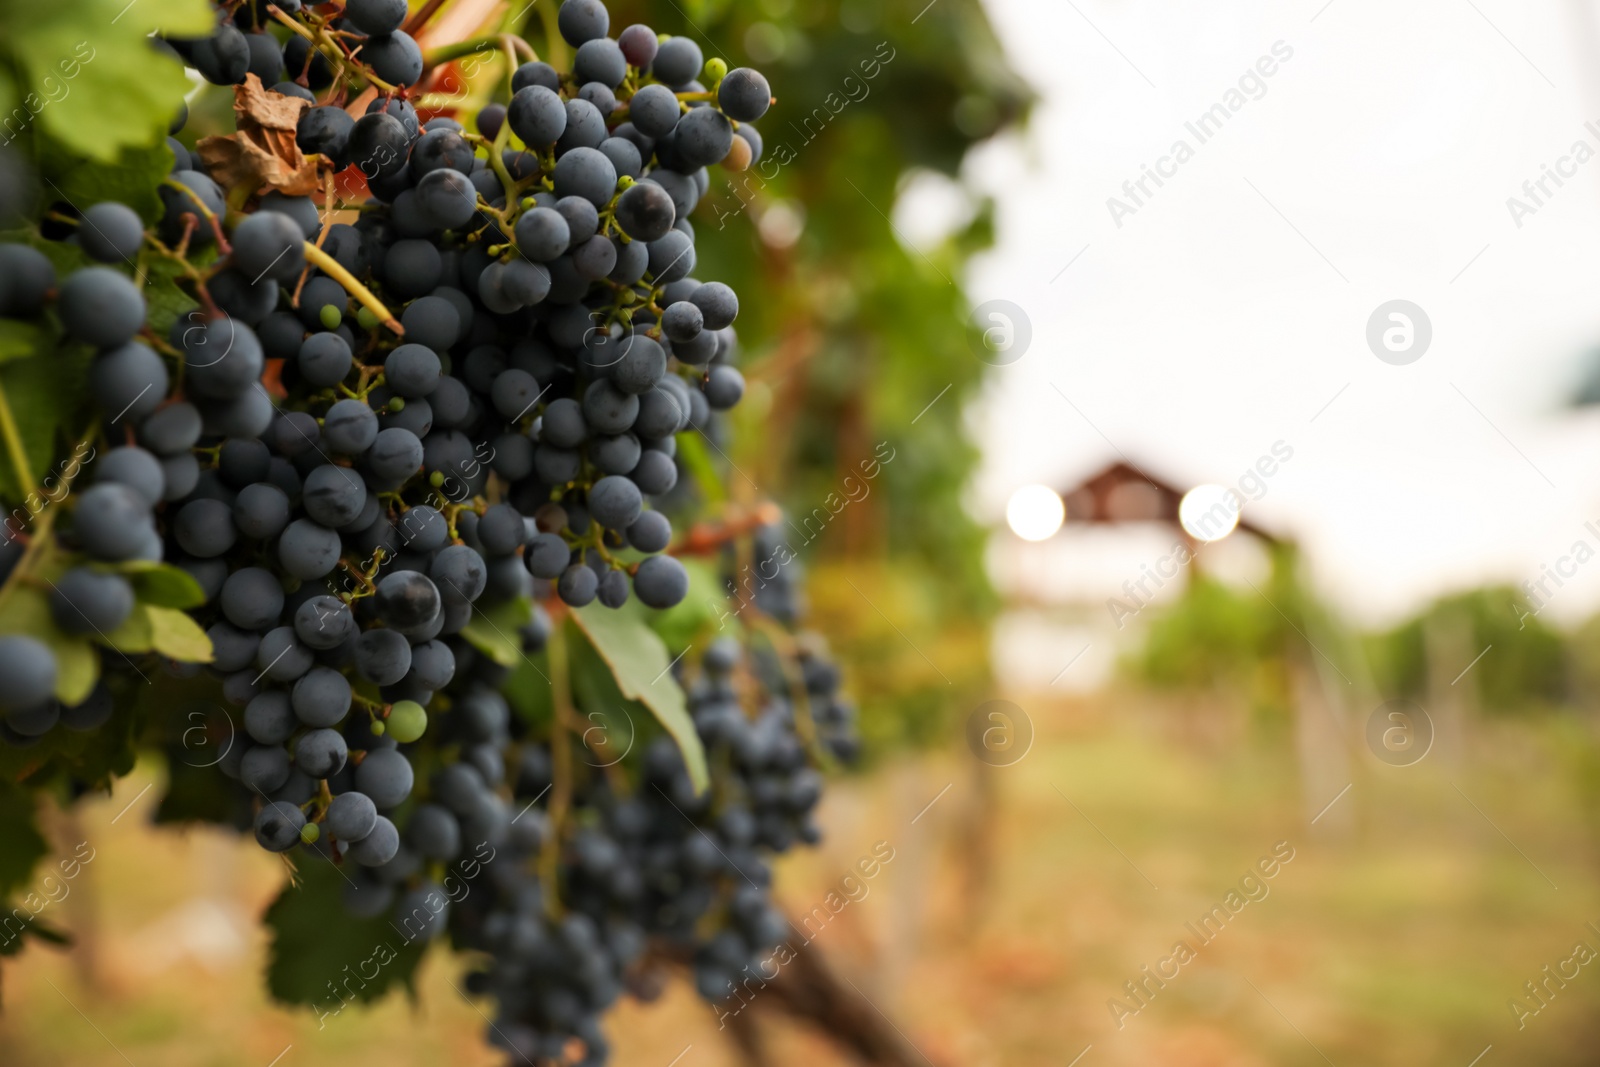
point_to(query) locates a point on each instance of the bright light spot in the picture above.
(929, 208)
(1209, 512)
(782, 224)
(1035, 512)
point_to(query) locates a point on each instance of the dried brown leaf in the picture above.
(262, 154)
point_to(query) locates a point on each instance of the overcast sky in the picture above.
(1229, 310)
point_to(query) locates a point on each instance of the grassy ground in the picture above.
(1397, 941)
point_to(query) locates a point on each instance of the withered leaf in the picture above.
(263, 154)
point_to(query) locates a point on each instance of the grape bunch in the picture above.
(113, 521)
(379, 431)
(658, 871)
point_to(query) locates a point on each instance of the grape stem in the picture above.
(513, 45)
(18, 454)
(423, 14)
(707, 538)
(201, 206)
(40, 540)
(502, 137)
(335, 270)
(322, 234)
(322, 42)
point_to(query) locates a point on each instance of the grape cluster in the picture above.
(113, 521)
(656, 868)
(375, 427)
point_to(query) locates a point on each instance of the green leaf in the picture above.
(165, 302)
(20, 339)
(692, 451)
(93, 81)
(316, 961)
(610, 722)
(8, 90)
(497, 632)
(48, 396)
(77, 669)
(163, 584)
(197, 792)
(639, 662)
(175, 635)
(135, 635)
(528, 689)
(21, 845)
(133, 178)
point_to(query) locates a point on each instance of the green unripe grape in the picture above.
(716, 70)
(397, 404)
(377, 728)
(436, 479)
(529, 203)
(330, 316)
(366, 318)
(627, 297)
(407, 721)
(310, 832)
(625, 182)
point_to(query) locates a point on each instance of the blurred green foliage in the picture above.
(1218, 636)
(1529, 665)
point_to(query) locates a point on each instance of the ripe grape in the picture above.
(677, 61)
(394, 57)
(321, 697)
(111, 232)
(278, 826)
(582, 20)
(351, 816)
(385, 776)
(381, 843)
(27, 673)
(537, 115)
(101, 307)
(744, 95)
(320, 753)
(376, 17)
(269, 244)
(661, 582)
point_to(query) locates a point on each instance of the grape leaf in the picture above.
(166, 303)
(19, 339)
(639, 663)
(200, 793)
(175, 635)
(324, 964)
(609, 722)
(133, 178)
(54, 387)
(527, 689)
(697, 461)
(77, 669)
(135, 635)
(21, 846)
(496, 632)
(94, 82)
(162, 584)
